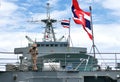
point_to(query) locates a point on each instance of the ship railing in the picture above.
(15, 65)
(108, 61)
(8, 59)
(112, 63)
(9, 63)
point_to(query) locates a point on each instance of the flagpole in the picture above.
(69, 31)
(91, 24)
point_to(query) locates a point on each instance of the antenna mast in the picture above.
(49, 34)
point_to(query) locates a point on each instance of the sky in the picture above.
(16, 16)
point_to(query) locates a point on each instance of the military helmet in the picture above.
(34, 45)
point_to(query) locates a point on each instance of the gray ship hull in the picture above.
(56, 60)
(60, 76)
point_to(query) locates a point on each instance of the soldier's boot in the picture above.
(35, 67)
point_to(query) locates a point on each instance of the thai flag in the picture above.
(81, 17)
(65, 23)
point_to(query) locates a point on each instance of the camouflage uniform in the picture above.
(34, 52)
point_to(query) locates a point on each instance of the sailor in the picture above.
(34, 52)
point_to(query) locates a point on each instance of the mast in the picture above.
(49, 34)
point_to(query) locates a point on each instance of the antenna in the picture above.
(49, 34)
(48, 10)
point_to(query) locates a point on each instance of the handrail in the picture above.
(111, 62)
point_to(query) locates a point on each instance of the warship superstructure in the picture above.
(57, 62)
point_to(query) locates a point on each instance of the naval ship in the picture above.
(57, 61)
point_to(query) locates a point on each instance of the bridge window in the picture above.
(42, 45)
(65, 45)
(56, 45)
(38, 45)
(51, 45)
(47, 45)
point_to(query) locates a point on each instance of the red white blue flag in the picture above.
(81, 17)
(65, 23)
